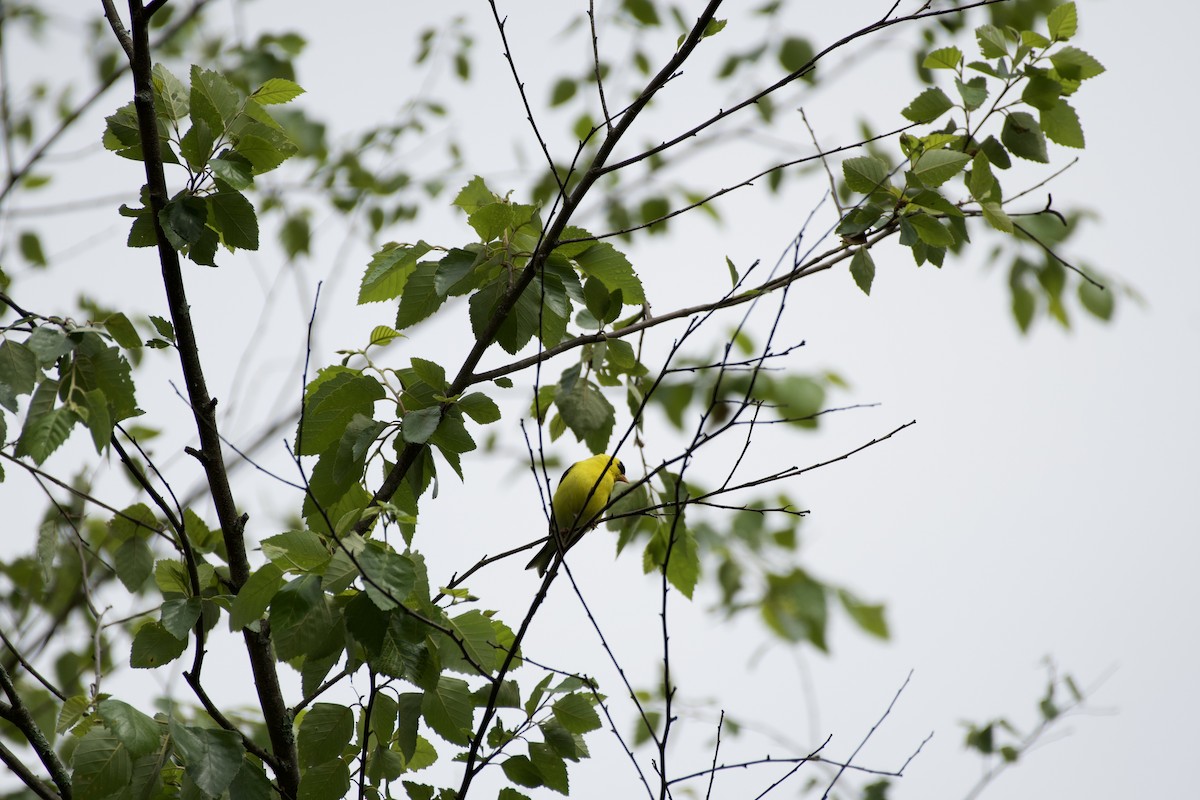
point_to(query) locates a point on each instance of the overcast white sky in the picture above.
(1042, 506)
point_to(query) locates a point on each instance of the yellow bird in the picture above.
(589, 481)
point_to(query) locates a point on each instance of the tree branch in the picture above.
(258, 643)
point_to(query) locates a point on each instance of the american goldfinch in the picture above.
(589, 481)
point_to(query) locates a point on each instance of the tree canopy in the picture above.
(410, 682)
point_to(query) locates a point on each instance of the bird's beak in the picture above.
(622, 479)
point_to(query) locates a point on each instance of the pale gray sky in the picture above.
(1042, 506)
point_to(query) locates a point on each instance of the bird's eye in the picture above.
(620, 468)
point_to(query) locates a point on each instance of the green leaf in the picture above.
(1022, 135)
(865, 174)
(1075, 65)
(18, 372)
(183, 220)
(276, 90)
(550, 766)
(388, 577)
(588, 414)
(250, 783)
(300, 617)
(1063, 22)
(234, 169)
(935, 167)
(644, 11)
(324, 733)
(474, 196)
(862, 269)
(31, 248)
(794, 607)
(1097, 300)
(328, 781)
(455, 273)
(973, 92)
(122, 331)
(1061, 124)
(576, 714)
(479, 407)
(388, 271)
(140, 734)
(71, 712)
(994, 214)
(170, 95)
(255, 595)
(943, 58)
(795, 53)
(606, 263)
(296, 551)
(196, 146)
(133, 563)
(562, 91)
(448, 710)
(992, 43)
(928, 106)
(102, 765)
(212, 757)
(868, 617)
(417, 426)
(981, 181)
(1023, 306)
(1042, 92)
(420, 298)
(232, 216)
(331, 402)
(154, 645)
(521, 771)
(931, 231)
(46, 427)
(213, 99)
(996, 153)
(180, 615)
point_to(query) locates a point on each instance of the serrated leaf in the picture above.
(153, 646)
(1075, 64)
(612, 268)
(417, 426)
(865, 174)
(276, 90)
(587, 412)
(935, 167)
(928, 106)
(324, 732)
(479, 407)
(232, 216)
(448, 710)
(102, 766)
(576, 714)
(212, 757)
(1063, 22)
(862, 269)
(1022, 135)
(171, 96)
(420, 297)
(1061, 124)
(179, 616)
(140, 734)
(296, 551)
(328, 781)
(943, 58)
(388, 271)
(992, 43)
(388, 577)
(255, 595)
(930, 231)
